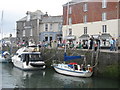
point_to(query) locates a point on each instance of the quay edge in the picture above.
(108, 61)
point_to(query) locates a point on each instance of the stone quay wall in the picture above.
(107, 63)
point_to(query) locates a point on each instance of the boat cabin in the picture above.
(33, 57)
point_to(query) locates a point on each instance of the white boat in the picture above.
(27, 58)
(73, 69)
(65, 69)
(5, 57)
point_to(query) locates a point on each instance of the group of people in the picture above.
(94, 44)
(85, 44)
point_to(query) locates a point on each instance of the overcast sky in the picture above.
(14, 10)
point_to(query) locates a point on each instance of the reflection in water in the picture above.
(29, 79)
(71, 82)
(15, 78)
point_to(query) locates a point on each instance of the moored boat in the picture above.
(73, 69)
(27, 58)
(5, 57)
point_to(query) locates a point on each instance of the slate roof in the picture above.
(77, 1)
(52, 19)
(45, 19)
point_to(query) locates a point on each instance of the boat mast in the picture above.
(1, 27)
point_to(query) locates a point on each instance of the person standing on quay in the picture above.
(91, 43)
(114, 45)
(111, 44)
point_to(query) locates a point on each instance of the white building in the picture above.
(83, 19)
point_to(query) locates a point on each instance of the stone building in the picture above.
(85, 18)
(37, 26)
(51, 28)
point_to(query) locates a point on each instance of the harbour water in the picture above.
(12, 77)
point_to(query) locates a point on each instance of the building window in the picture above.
(85, 7)
(23, 33)
(31, 32)
(23, 24)
(70, 31)
(104, 28)
(51, 25)
(70, 21)
(59, 27)
(85, 30)
(46, 27)
(104, 4)
(70, 10)
(85, 19)
(104, 16)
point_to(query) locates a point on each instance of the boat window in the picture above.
(30, 56)
(23, 57)
(35, 57)
(75, 66)
(19, 56)
(16, 54)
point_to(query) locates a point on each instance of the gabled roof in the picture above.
(36, 14)
(52, 19)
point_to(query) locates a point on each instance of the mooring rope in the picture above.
(97, 54)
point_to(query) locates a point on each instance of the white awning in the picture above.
(72, 37)
(96, 36)
(84, 37)
(105, 36)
